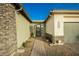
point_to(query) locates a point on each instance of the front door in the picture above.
(38, 30)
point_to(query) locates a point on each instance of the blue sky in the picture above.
(40, 11)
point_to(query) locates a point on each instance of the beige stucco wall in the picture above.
(71, 32)
(23, 29)
(58, 25)
(58, 28)
(71, 28)
(50, 26)
(71, 17)
(59, 20)
(54, 25)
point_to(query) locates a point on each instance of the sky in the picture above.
(40, 11)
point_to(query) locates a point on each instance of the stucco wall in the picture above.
(54, 25)
(71, 17)
(69, 31)
(50, 26)
(23, 29)
(71, 28)
(58, 25)
(59, 20)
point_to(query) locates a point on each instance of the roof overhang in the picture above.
(17, 5)
(20, 9)
(34, 21)
(64, 12)
(61, 12)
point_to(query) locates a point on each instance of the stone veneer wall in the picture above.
(8, 43)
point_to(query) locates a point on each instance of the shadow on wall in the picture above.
(49, 37)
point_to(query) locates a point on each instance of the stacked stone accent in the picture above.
(8, 44)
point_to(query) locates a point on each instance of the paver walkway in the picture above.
(39, 47)
(42, 48)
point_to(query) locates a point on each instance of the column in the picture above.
(58, 28)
